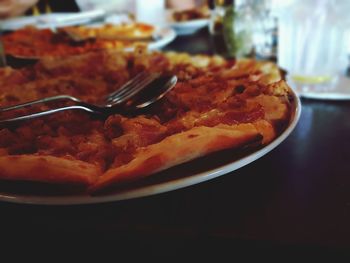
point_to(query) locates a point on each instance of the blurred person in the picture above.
(185, 4)
(148, 11)
(47, 6)
(129, 5)
(110, 6)
(11, 8)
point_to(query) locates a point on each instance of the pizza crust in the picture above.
(266, 130)
(210, 91)
(48, 169)
(177, 149)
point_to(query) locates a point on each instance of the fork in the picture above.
(139, 92)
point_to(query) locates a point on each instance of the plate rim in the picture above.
(337, 93)
(194, 23)
(185, 27)
(189, 27)
(167, 34)
(37, 21)
(167, 186)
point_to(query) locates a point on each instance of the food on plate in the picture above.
(191, 14)
(217, 104)
(126, 31)
(30, 42)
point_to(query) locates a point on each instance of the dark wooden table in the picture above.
(292, 201)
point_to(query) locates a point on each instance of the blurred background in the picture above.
(309, 39)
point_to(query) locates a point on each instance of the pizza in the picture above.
(125, 31)
(31, 42)
(217, 104)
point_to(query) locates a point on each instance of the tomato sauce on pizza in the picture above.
(217, 104)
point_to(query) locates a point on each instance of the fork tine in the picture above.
(148, 94)
(125, 87)
(134, 88)
(137, 88)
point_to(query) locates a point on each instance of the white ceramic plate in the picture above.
(186, 27)
(164, 35)
(339, 89)
(188, 174)
(189, 27)
(53, 20)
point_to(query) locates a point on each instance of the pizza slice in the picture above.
(122, 32)
(216, 105)
(48, 169)
(177, 149)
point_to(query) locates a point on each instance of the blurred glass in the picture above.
(312, 39)
(216, 27)
(239, 27)
(151, 11)
(244, 28)
(265, 29)
(109, 6)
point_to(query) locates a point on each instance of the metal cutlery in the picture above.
(141, 91)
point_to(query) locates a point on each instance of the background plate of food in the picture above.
(52, 20)
(31, 42)
(221, 115)
(189, 21)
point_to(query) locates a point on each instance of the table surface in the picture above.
(295, 198)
